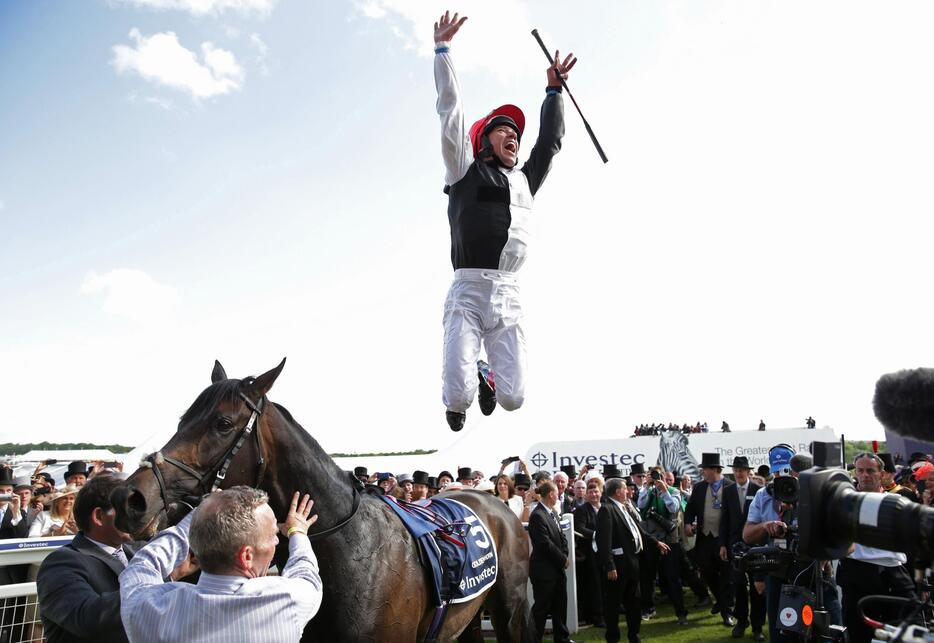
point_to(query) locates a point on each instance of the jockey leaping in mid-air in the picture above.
(489, 207)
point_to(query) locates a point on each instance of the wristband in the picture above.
(296, 530)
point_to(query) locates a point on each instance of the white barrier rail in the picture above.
(19, 605)
(567, 527)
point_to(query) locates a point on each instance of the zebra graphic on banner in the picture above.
(674, 455)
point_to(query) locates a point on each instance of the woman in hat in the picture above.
(489, 209)
(59, 520)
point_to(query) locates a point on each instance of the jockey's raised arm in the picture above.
(455, 146)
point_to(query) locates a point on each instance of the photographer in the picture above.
(661, 506)
(867, 570)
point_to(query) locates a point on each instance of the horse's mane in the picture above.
(204, 404)
(302, 433)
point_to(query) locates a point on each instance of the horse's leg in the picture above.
(473, 633)
(509, 610)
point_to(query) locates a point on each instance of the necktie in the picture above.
(120, 556)
(636, 536)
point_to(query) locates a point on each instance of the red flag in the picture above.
(875, 446)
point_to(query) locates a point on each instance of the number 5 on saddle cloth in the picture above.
(455, 546)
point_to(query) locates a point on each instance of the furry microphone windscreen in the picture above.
(904, 403)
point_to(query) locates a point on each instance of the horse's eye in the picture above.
(223, 424)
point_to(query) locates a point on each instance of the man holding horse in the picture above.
(233, 534)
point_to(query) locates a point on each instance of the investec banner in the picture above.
(674, 450)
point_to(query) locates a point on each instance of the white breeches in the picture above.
(483, 305)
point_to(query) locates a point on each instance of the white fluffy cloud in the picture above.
(262, 51)
(133, 294)
(205, 7)
(161, 59)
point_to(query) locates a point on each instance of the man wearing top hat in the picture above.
(706, 510)
(465, 476)
(638, 474)
(361, 474)
(77, 473)
(419, 485)
(749, 603)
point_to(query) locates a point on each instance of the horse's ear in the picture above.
(264, 382)
(218, 374)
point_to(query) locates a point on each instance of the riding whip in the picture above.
(593, 136)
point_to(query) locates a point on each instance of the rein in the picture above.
(219, 469)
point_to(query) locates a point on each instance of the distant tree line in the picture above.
(12, 448)
(367, 455)
(852, 447)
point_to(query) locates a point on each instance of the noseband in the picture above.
(219, 469)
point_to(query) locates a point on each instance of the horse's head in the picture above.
(224, 419)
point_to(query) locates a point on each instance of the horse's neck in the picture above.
(300, 464)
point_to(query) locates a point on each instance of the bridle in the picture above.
(220, 467)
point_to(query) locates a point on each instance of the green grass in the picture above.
(664, 628)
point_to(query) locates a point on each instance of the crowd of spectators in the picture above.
(687, 533)
(698, 427)
(656, 429)
(679, 533)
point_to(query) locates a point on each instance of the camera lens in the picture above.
(832, 514)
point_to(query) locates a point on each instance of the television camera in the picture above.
(832, 514)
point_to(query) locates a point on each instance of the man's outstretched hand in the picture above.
(447, 26)
(559, 68)
(299, 518)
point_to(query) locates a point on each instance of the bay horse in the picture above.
(375, 588)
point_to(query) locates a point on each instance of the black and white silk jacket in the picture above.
(489, 206)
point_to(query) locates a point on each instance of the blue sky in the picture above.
(268, 183)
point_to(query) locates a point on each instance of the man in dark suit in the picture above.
(620, 541)
(706, 507)
(749, 603)
(589, 596)
(547, 563)
(79, 594)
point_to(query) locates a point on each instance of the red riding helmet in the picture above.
(477, 130)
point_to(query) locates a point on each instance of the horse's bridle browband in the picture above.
(220, 467)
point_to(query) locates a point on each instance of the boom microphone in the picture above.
(904, 403)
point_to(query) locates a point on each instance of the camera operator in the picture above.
(867, 570)
(661, 506)
(769, 519)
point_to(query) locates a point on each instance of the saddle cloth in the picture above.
(458, 547)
